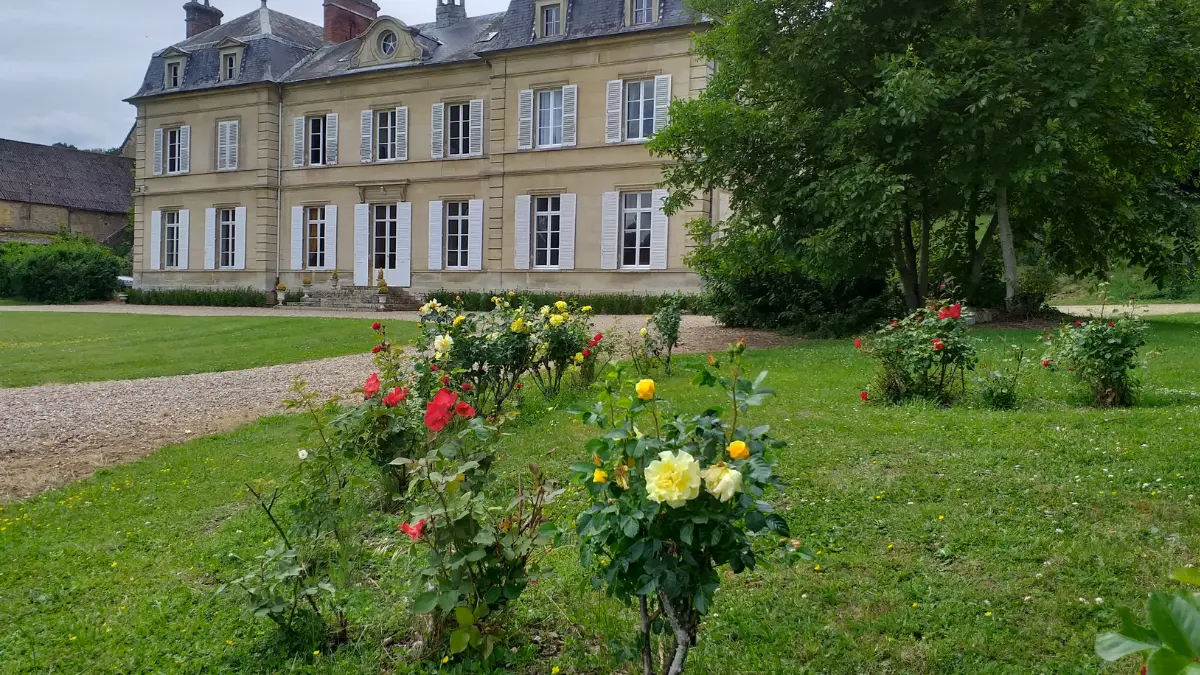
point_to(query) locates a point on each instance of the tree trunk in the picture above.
(923, 270)
(683, 638)
(908, 277)
(647, 654)
(985, 245)
(1007, 247)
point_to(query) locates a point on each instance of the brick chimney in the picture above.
(201, 17)
(347, 19)
(450, 12)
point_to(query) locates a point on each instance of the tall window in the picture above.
(174, 72)
(315, 237)
(385, 238)
(635, 229)
(316, 141)
(459, 129)
(386, 135)
(547, 213)
(173, 150)
(229, 68)
(639, 110)
(171, 235)
(549, 118)
(228, 237)
(643, 12)
(551, 20)
(457, 231)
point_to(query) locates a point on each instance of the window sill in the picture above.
(559, 146)
(458, 269)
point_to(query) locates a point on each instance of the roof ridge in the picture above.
(59, 148)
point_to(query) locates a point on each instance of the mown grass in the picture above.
(51, 347)
(950, 540)
(1125, 283)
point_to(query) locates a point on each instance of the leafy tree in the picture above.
(914, 135)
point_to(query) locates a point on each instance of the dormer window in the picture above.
(642, 12)
(229, 66)
(174, 74)
(551, 20)
(388, 43)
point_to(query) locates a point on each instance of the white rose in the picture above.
(303, 454)
(722, 482)
(442, 343)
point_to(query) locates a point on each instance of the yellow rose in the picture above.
(599, 476)
(518, 326)
(722, 482)
(556, 320)
(545, 310)
(649, 319)
(458, 320)
(645, 389)
(579, 357)
(561, 306)
(643, 332)
(673, 478)
(442, 343)
(587, 308)
(512, 294)
(738, 450)
(496, 300)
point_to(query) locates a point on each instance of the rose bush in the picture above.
(674, 497)
(1102, 353)
(923, 355)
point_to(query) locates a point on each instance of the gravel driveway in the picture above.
(52, 434)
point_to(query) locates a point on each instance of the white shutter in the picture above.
(476, 125)
(185, 228)
(521, 236)
(158, 152)
(210, 239)
(402, 133)
(475, 235)
(239, 238)
(297, 237)
(331, 239)
(570, 94)
(610, 212)
(662, 101)
(331, 139)
(435, 235)
(156, 240)
(437, 133)
(612, 110)
(366, 149)
(185, 149)
(403, 245)
(525, 119)
(658, 231)
(222, 146)
(232, 138)
(362, 245)
(297, 142)
(566, 232)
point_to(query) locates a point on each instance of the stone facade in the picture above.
(248, 207)
(24, 219)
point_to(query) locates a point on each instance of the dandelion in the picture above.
(816, 568)
(555, 670)
(941, 517)
(914, 604)
(316, 652)
(229, 642)
(445, 659)
(987, 613)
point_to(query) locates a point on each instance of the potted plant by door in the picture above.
(333, 278)
(381, 284)
(307, 282)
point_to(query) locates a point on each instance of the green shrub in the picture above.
(71, 269)
(614, 303)
(231, 297)
(1102, 353)
(922, 356)
(998, 390)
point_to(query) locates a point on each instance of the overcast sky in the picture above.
(67, 65)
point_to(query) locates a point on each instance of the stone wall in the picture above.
(49, 220)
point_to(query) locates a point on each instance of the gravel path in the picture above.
(1164, 309)
(53, 434)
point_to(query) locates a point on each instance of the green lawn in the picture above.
(46, 347)
(1054, 516)
(1126, 282)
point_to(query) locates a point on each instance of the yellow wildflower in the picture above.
(600, 476)
(738, 450)
(673, 478)
(645, 389)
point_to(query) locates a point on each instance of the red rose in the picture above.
(376, 326)
(711, 360)
(894, 322)
(956, 310)
(938, 345)
(598, 338)
(440, 410)
(376, 349)
(466, 386)
(395, 396)
(433, 368)
(1078, 324)
(520, 386)
(858, 343)
(591, 343)
(587, 353)
(445, 380)
(863, 395)
(413, 531)
(943, 314)
(1111, 324)
(464, 409)
(1045, 363)
(371, 386)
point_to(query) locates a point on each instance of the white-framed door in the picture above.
(390, 227)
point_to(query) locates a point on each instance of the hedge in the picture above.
(232, 297)
(70, 269)
(603, 303)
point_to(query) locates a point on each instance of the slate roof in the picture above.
(282, 48)
(76, 179)
(585, 19)
(275, 43)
